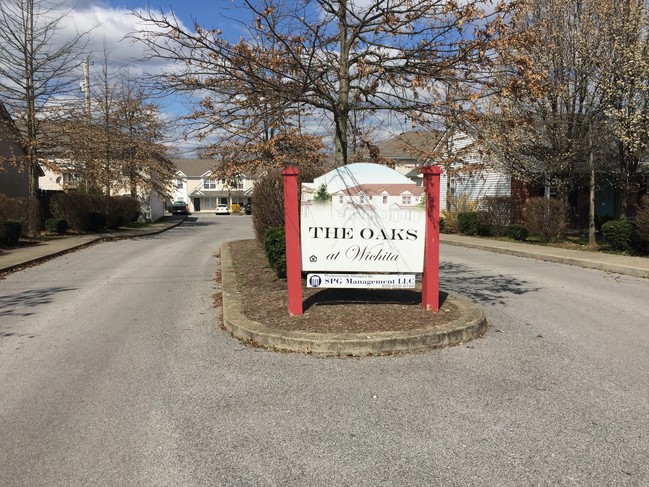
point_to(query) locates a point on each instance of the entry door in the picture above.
(197, 204)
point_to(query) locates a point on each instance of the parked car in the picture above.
(179, 208)
(222, 210)
(248, 209)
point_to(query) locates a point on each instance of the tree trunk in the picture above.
(341, 108)
(592, 240)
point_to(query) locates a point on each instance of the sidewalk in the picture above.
(618, 264)
(11, 259)
(615, 264)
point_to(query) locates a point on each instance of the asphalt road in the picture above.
(114, 372)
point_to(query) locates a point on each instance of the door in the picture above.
(197, 204)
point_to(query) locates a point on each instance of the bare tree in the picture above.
(37, 64)
(329, 59)
(117, 146)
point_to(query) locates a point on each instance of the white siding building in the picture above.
(62, 175)
(464, 172)
(195, 185)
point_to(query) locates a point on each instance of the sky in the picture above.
(111, 22)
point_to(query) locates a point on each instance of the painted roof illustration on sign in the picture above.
(360, 174)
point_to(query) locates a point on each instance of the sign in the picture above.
(373, 221)
(371, 281)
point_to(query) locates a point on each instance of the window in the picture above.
(209, 184)
(361, 198)
(406, 199)
(209, 203)
(340, 198)
(179, 184)
(385, 199)
(70, 177)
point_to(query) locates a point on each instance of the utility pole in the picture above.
(86, 92)
(86, 85)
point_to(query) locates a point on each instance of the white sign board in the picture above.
(371, 281)
(367, 226)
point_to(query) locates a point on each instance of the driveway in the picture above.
(114, 371)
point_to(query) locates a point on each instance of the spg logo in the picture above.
(315, 281)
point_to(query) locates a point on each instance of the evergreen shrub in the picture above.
(95, 221)
(468, 223)
(56, 225)
(442, 225)
(456, 205)
(275, 247)
(619, 235)
(517, 231)
(10, 232)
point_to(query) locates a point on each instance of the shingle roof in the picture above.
(194, 167)
(408, 144)
(378, 189)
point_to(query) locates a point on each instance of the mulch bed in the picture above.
(264, 299)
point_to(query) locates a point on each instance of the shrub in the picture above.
(620, 235)
(456, 205)
(275, 247)
(600, 220)
(268, 199)
(517, 231)
(94, 221)
(546, 218)
(322, 195)
(10, 232)
(442, 225)
(25, 210)
(119, 210)
(56, 225)
(496, 213)
(79, 210)
(468, 223)
(74, 207)
(235, 208)
(642, 219)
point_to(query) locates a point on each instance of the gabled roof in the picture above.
(360, 173)
(195, 168)
(410, 145)
(10, 140)
(379, 189)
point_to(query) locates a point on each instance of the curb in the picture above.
(471, 324)
(610, 267)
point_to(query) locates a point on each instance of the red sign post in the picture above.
(293, 254)
(430, 278)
